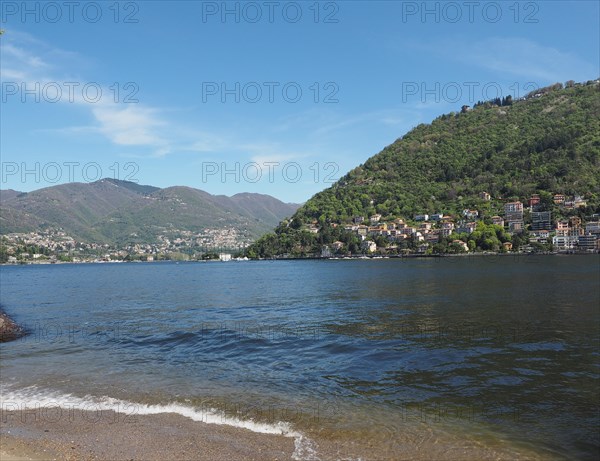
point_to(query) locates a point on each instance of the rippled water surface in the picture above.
(500, 348)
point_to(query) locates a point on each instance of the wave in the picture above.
(31, 398)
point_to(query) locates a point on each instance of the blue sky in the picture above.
(279, 98)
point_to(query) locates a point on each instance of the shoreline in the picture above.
(515, 255)
(67, 434)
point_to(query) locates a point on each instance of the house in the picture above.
(462, 244)
(498, 221)
(368, 246)
(422, 248)
(363, 230)
(337, 245)
(485, 196)
(437, 217)
(422, 217)
(433, 237)
(534, 200)
(513, 211)
(358, 219)
(447, 229)
(559, 199)
(425, 226)
(418, 237)
(470, 214)
(579, 202)
(224, 257)
(466, 228)
(507, 246)
(540, 236)
(375, 218)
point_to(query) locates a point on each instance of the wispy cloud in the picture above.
(129, 126)
(515, 56)
(123, 124)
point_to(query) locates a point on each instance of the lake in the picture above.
(503, 351)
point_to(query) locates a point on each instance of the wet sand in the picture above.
(53, 434)
(79, 435)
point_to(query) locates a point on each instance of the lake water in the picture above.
(384, 353)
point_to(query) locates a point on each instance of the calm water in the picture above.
(380, 351)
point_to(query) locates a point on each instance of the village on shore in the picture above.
(523, 229)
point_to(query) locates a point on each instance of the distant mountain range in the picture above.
(119, 212)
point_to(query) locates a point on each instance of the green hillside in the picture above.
(546, 143)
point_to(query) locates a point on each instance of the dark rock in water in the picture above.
(9, 330)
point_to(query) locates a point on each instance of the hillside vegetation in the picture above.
(546, 143)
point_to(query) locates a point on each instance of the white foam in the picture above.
(32, 398)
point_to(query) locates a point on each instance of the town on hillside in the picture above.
(55, 245)
(517, 227)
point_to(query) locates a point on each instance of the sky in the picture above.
(278, 98)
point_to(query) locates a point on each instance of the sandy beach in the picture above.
(36, 435)
(79, 435)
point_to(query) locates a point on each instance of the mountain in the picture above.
(115, 212)
(8, 194)
(545, 143)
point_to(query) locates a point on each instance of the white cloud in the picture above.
(129, 126)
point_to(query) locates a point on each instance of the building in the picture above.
(516, 227)
(534, 200)
(540, 236)
(586, 242)
(447, 229)
(368, 246)
(579, 202)
(564, 243)
(470, 214)
(513, 211)
(422, 217)
(541, 220)
(559, 199)
(485, 196)
(433, 237)
(461, 244)
(375, 218)
(498, 221)
(358, 219)
(337, 245)
(593, 227)
(466, 228)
